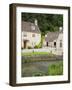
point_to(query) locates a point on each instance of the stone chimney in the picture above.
(60, 29)
(36, 22)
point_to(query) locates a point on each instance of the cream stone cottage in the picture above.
(31, 34)
(54, 40)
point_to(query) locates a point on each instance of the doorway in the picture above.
(25, 43)
(54, 44)
(47, 44)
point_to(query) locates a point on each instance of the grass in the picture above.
(55, 69)
(36, 53)
(32, 56)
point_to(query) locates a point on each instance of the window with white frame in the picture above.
(33, 27)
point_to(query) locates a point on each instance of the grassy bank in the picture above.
(54, 69)
(36, 53)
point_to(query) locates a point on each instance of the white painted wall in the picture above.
(60, 49)
(32, 41)
(51, 44)
(60, 37)
(56, 50)
(4, 45)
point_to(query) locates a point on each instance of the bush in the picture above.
(38, 46)
(55, 69)
(29, 47)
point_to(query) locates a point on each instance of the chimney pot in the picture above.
(60, 28)
(36, 23)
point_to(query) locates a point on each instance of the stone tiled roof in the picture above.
(50, 36)
(27, 26)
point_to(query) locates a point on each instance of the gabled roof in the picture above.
(27, 26)
(50, 36)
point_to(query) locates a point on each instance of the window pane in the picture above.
(33, 35)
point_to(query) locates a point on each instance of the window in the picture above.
(60, 43)
(33, 27)
(25, 35)
(54, 44)
(33, 35)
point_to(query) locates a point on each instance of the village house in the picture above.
(31, 34)
(54, 40)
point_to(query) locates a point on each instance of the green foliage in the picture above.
(41, 43)
(46, 22)
(42, 39)
(55, 69)
(38, 46)
(29, 47)
(34, 53)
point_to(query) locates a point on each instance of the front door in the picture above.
(55, 44)
(25, 43)
(47, 44)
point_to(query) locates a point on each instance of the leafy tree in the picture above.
(46, 22)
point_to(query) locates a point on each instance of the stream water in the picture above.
(29, 68)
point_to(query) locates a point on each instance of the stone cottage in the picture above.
(31, 34)
(54, 40)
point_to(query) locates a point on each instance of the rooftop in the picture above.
(30, 27)
(50, 36)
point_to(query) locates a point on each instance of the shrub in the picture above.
(29, 47)
(38, 46)
(55, 69)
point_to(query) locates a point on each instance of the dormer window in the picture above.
(33, 27)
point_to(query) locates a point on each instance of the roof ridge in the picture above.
(26, 26)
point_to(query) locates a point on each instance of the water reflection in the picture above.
(28, 69)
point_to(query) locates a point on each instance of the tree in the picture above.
(46, 22)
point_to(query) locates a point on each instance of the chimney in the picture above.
(60, 29)
(36, 23)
